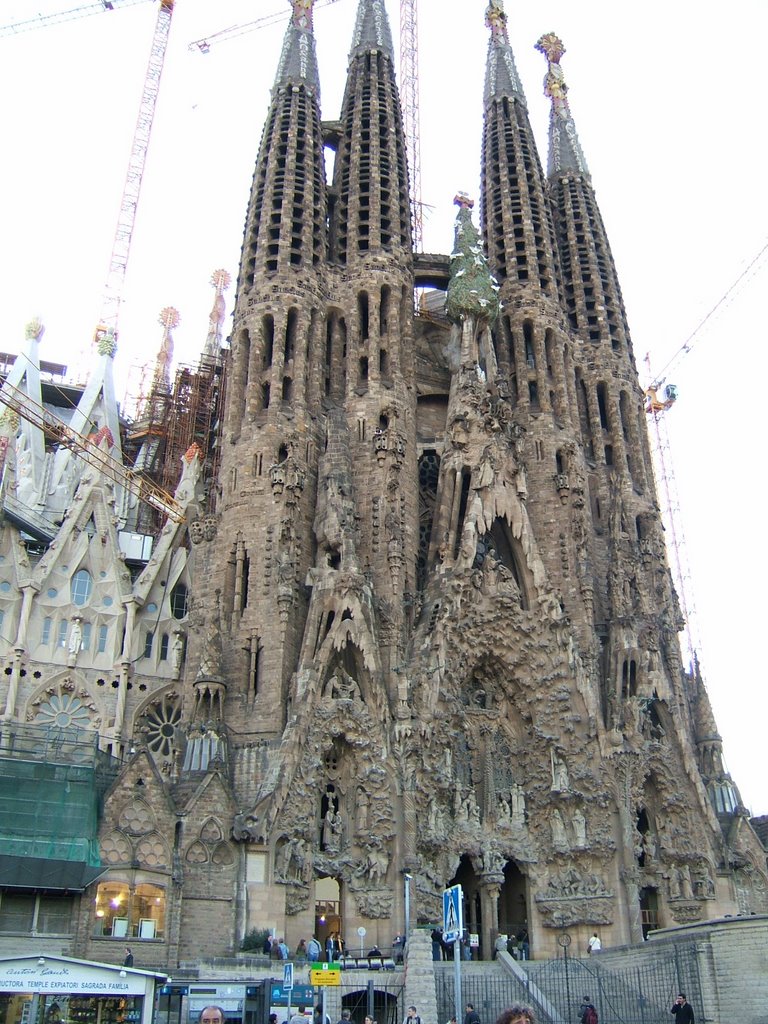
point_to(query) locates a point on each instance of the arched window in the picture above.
(125, 912)
(81, 587)
(179, 601)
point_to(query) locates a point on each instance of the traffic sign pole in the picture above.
(457, 978)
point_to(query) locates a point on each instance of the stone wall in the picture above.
(732, 955)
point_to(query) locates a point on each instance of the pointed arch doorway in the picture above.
(470, 886)
(327, 911)
(513, 904)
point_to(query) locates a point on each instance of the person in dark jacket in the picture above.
(682, 1010)
(471, 1016)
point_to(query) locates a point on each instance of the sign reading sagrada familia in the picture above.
(411, 612)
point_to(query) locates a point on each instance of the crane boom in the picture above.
(127, 216)
(233, 31)
(43, 20)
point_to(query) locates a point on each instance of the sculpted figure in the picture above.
(518, 806)
(579, 829)
(559, 835)
(560, 780)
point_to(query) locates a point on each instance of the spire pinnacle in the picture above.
(372, 30)
(302, 14)
(501, 77)
(298, 60)
(565, 152)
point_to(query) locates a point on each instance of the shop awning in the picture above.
(40, 873)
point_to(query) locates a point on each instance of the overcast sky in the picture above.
(668, 101)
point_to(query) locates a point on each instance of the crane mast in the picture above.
(409, 92)
(129, 202)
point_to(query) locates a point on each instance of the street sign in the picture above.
(321, 978)
(302, 995)
(287, 977)
(320, 965)
(453, 924)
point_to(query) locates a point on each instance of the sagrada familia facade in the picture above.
(417, 629)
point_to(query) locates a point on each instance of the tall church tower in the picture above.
(423, 625)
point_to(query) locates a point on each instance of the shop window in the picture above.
(81, 587)
(125, 912)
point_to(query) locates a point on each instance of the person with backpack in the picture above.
(588, 1014)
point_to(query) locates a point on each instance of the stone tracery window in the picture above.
(161, 722)
(63, 711)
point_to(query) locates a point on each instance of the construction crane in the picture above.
(88, 449)
(409, 97)
(43, 20)
(409, 90)
(225, 34)
(660, 396)
(126, 220)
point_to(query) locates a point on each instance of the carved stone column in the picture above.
(490, 890)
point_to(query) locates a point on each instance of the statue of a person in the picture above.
(579, 829)
(560, 781)
(559, 835)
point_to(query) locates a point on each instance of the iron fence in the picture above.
(555, 988)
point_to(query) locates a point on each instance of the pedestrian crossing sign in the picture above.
(453, 924)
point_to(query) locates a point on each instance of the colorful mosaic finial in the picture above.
(565, 152)
(554, 82)
(496, 20)
(34, 329)
(302, 13)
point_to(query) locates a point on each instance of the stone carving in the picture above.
(332, 830)
(374, 903)
(560, 781)
(559, 836)
(341, 686)
(296, 899)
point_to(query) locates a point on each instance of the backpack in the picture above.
(590, 1015)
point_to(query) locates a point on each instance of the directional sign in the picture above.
(453, 924)
(287, 977)
(321, 965)
(325, 977)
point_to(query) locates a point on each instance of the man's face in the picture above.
(211, 1015)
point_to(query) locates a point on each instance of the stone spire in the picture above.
(565, 153)
(221, 280)
(372, 30)
(298, 59)
(501, 77)
(516, 218)
(371, 174)
(285, 225)
(472, 291)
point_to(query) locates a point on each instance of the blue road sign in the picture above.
(453, 924)
(287, 977)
